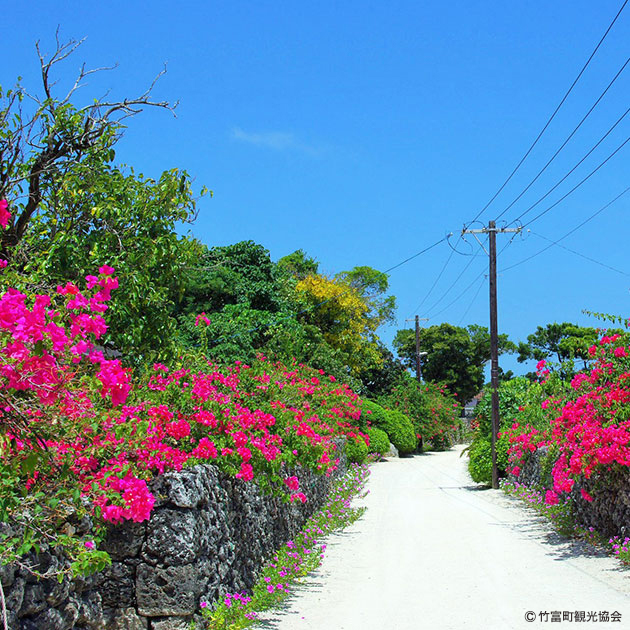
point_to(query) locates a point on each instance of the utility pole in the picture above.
(491, 231)
(419, 354)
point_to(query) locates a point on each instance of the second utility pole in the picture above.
(491, 231)
(418, 356)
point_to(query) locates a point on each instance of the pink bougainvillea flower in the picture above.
(113, 447)
(551, 498)
(202, 317)
(115, 380)
(246, 473)
(585, 495)
(5, 215)
(292, 483)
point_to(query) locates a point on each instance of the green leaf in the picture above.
(29, 463)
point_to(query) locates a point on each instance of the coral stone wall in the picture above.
(209, 534)
(608, 513)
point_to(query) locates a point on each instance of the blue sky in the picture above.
(363, 132)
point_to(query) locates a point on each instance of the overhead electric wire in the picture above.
(415, 310)
(463, 271)
(577, 227)
(577, 78)
(472, 301)
(564, 98)
(584, 157)
(460, 295)
(564, 144)
(315, 306)
(426, 249)
(388, 271)
(553, 205)
(597, 262)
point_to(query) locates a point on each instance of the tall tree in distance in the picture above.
(348, 309)
(562, 344)
(456, 356)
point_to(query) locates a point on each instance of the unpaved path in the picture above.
(434, 551)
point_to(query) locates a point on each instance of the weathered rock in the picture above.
(14, 596)
(125, 619)
(171, 623)
(392, 451)
(117, 586)
(7, 575)
(125, 540)
(34, 600)
(167, 591)
(186, 489)
(90, 608)
(174, 537)
(56, 619)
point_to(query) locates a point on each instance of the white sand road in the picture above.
(435, 551)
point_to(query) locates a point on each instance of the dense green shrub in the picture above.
(396, 424)
(379, 442)
(373, 414)
(519, 401)
(480, 462)
(356, 450)
(401, 432)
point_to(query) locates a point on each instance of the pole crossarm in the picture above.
(496, 230)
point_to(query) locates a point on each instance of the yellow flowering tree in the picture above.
(348, 312)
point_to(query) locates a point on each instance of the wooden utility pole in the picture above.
(491, 231)
(418, 353)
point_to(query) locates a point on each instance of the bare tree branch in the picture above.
(50, 139)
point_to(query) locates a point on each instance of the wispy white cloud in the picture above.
(276, 140)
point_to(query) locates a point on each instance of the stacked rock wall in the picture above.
(608, 513)
(209, 534)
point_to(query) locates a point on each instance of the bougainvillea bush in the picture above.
(81, 435)
(433, 411)
(588, 432)
(519, 401)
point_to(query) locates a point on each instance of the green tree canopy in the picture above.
(456, 356)
(559, 342)
(298, 264)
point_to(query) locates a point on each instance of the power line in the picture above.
(415, 310)
(554, 156)
(426, 249)
(472, 258)
(463, 271)
(597, 262)
(564, 98)
(584, 157)
(577, 227)
(553, 205)
(564, 144)
(472, 301)
(460, 295)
